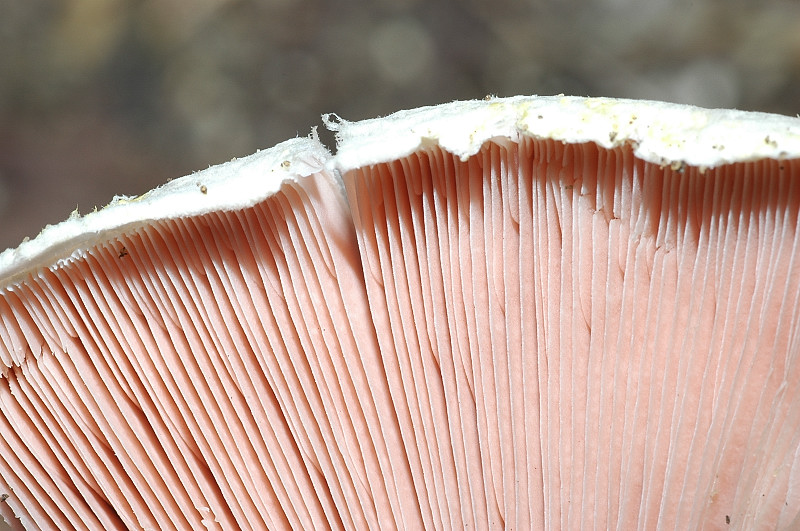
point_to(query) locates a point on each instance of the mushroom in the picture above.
(530, 312)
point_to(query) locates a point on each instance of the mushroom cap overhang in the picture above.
(440, 422)
(237, 184)
(661, 133)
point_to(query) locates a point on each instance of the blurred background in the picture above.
(104, 97)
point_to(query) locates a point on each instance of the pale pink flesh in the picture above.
(541, 335)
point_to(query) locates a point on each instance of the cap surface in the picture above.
(662, 133)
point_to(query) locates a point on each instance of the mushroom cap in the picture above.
(659, 132)
(529, 312)
(234, 185)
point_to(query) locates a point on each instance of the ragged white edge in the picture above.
(662, 133)
(237, 184)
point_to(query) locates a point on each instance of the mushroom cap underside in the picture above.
(525, 312)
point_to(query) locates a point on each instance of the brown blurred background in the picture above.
(104, 97)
